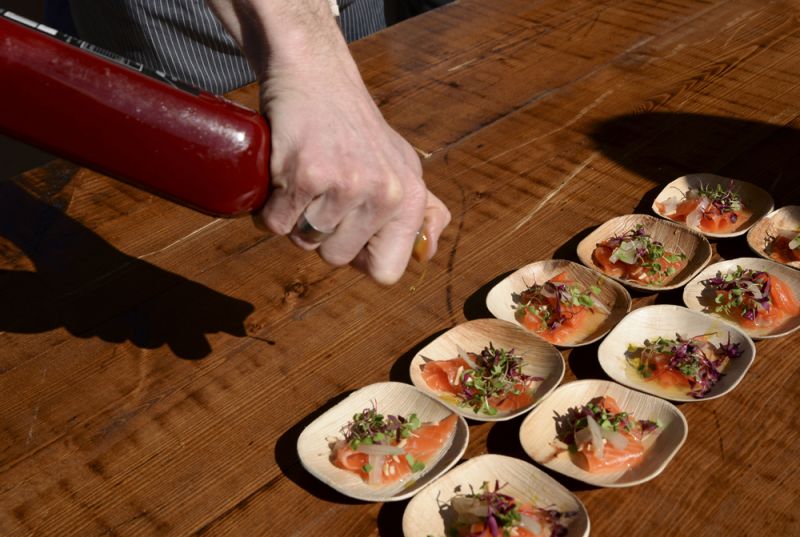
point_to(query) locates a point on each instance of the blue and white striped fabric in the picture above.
(185, 39)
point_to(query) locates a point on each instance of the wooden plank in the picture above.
(105, 431)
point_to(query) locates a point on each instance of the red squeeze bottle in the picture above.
(115, 116)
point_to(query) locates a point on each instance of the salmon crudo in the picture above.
(560, 310)
(708, 208)
(490, 383)
(600, 437)
(488, 512)
(391, 450)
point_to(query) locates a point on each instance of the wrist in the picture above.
(288, 35)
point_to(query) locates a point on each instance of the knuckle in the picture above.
(413, 160)
(309, 178)
(278, 224)
(347, 186)
(386, 275)
(390, 196)
(335, 257)
(416, 196)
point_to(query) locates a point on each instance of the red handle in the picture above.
(194, 148)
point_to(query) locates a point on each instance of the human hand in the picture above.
(336, 163)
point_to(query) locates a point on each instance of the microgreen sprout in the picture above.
(553, 303)
(636, 247)
(725, 200)
(497, 374)
(698, 360)
(370, 427)
(744, 292)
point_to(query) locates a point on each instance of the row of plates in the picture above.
(428, 513)
(538, 429)
(616, 298)
(764, 223)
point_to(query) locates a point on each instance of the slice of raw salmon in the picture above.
(512, 402)
(779, 250)
(444, 375)
(425, 444)
(782, 297)
(613, 458)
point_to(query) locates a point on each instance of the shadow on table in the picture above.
(401, 369)
(661, 146)
(503, 439)
(85, 285)
(390, 519)
(584, 364)
(289, 461)
(475, 304)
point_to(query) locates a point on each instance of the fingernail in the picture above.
(421, 245)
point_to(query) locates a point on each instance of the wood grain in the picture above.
(157, 365)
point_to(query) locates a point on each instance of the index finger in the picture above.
(436, 219)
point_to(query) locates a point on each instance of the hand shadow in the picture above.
(85, 285)
(662, 146)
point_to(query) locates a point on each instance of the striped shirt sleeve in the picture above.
(185, 39)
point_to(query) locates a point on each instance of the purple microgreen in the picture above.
(497, 374)
(636, 247)
(725, 200)
(745, 292)
(369, 427)
(699, 361)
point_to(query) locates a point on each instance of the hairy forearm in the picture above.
(281, 32)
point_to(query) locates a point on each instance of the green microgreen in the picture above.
(743, 292)
(698, 360)
(497, 374)
(551, 302)
(724, 199)
(370, 427)
(636, 247)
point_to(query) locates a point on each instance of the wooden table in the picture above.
(158, 365)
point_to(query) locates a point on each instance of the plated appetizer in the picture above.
(716, 206)
(488, 382)
(777, 236)
(603, 433)
(645, 252)
(509, 371)
(646, 352)
(495, 495)
(383, 449)
(710, 208)
(560, 307)
(488, 512)
(383, 442)
(759, 296)
(690, 365)
(560, 301)
(600, 437)
(755, 299)
(638, 257)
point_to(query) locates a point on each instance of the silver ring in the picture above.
(308, 232)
